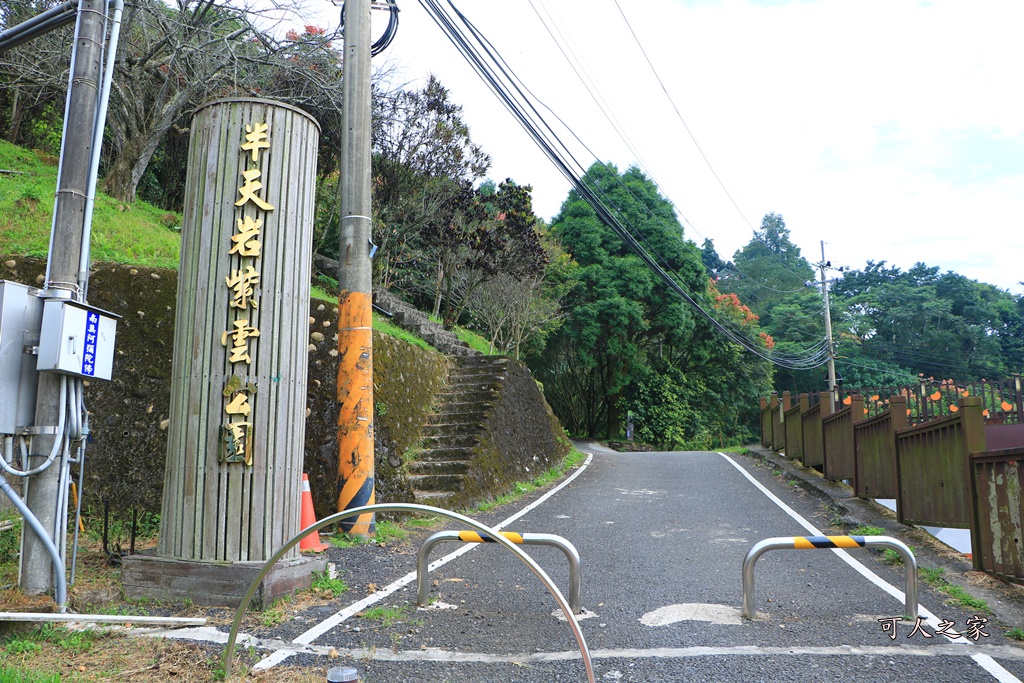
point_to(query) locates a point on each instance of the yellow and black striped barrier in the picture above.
(806, 542)
(422, 568)
(829, 542)
(474, 537)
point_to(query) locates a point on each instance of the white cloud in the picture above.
(887, 128)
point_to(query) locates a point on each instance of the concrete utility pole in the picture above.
(822, 265)
(62, 276)
(355, 300)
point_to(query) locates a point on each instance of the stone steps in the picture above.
(446, 454)
(452, 433)
(455, 438)
(447, 483)
(438, 467)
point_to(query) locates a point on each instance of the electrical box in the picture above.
(76, 339)
(21, 314)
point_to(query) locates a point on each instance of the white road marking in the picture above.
(986, 663)
(990, 665)
(431, 654)
(693, 611)
(353, 609)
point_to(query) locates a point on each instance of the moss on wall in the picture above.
(521, 439)
(128, 415)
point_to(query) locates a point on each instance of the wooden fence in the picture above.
(961, 470)
(998, 476)
(875, 451)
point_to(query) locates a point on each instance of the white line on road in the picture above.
(986, 662)
(440, 655)
(353, 609)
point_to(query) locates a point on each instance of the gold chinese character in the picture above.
(236, 442)
(245, 242)
(239, 405)
(256, 139)
(242, 284)
(239, 343)
(251, 187)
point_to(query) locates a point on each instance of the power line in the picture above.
(498, 76)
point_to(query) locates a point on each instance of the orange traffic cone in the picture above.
(310, 542)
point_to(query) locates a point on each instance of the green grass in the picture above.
(957, 594)
(343, 540)
(867, 530)
(520, 489)
(474, 340)
(273, 615)
(75, 642)
(390, 532)
(382, 324)
(1016, 633)
(139, 233)
(324, 585)
(11, 675)
(385, 615)
(315, 292)
(428, 522)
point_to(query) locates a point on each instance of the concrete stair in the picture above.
(452, 433)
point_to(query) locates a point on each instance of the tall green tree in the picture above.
(938, 325)
(629, 342)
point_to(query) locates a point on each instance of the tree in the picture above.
(713, 263)
(488, 234)
(423, 162)
(173, 59)
(930, 323)
(518, 314)
(34, 77)
(629, 341)
(769, 275)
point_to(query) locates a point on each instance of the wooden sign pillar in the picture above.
(232, 490)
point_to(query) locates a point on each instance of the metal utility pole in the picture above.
(822, 265)
(355, 300)
(62, 276)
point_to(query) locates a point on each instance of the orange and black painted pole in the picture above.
(355, 417)
(355, 278)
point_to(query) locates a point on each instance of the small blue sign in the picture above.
(92, 326)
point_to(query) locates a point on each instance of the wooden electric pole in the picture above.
(62, 278)
(355, 278)
(822, 265)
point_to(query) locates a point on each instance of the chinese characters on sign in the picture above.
(242, 284)
(92, 328)
(975, 628)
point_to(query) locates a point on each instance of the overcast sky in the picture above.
(891, 129)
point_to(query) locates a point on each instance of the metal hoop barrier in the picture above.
(807, 542)
(575, 588)
(229, 649)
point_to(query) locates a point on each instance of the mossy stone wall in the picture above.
(126, 456)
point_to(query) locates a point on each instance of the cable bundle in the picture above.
(520, 102)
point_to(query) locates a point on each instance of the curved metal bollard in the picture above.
(229, 649)
(807, 542)
(423, 554)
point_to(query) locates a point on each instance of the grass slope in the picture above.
(139, 234)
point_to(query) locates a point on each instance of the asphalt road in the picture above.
(662, 537)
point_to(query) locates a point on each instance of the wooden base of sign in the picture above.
(215, 583)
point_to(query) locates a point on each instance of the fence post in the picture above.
(898, 414)
(766, 439)
(773, 403)
(1020, 398)
(973, 424)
